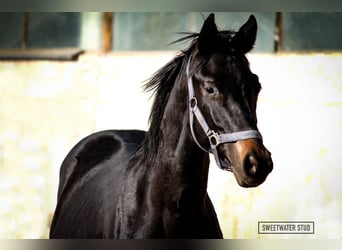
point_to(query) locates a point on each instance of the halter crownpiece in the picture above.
(214, 138)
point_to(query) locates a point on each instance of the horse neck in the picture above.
(181, 163)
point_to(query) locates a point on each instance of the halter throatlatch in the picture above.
(214, 138)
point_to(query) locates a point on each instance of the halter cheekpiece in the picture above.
(214, 138)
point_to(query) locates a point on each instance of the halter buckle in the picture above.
(213, 138)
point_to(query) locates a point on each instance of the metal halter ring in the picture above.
(213, 138)
(193, 102)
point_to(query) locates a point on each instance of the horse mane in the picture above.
(162, 82)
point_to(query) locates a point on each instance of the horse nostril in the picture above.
(251, 165)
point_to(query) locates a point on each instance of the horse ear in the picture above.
(207, 36)
(245, 38)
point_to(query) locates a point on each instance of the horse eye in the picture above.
(209, 90)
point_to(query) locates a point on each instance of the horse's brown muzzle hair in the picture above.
(251, 161)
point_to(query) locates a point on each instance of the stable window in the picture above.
(155, 31)
(30, 36)
(62, 36)
(312, 31)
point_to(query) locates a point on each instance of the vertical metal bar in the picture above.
(24, 40)
(107, 31)
(278, 36)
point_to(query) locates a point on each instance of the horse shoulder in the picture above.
(96, 148)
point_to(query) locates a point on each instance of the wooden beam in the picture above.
(59, 54)
(278, 36)
(107, 32)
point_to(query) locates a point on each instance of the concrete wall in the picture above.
(46, 107)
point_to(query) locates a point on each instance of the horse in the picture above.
(134, 184)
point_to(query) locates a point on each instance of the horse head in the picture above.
(223, 95)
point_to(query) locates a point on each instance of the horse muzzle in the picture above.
(250, 161)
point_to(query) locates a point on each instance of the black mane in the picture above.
(162, 82)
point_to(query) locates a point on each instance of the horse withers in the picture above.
(136, 184)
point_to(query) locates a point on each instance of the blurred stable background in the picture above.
(66, 75)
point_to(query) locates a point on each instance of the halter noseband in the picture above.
(214, 138)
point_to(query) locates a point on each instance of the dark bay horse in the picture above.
(136, 184)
